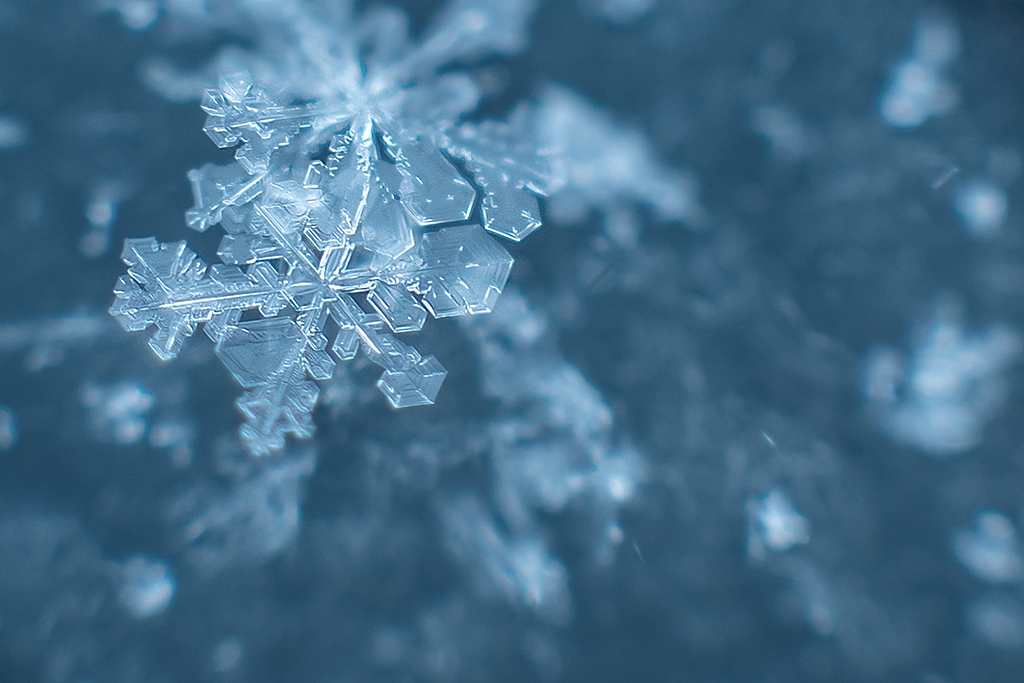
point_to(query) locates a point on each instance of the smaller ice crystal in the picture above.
(918, 90)
(101, 212)
(982, 206)
(952, 385)
(990, 550)
(775, 525)
(553, 446)
(118, 412)
(46, 341)
(136, 15)
(228, 654)
(145, 586)
(175, 436)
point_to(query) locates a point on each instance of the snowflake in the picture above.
(348, 216)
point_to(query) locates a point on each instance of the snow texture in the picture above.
(359, 203)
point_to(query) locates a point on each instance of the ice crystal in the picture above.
(361, 201)
(942, 398)
(144, 586)
(118, 412)
(520, 568)
(990, 551)
(8, 429)
(918, 89)
(45, 341)
(774, 524)
(997, 619)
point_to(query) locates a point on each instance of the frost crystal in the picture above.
(522, 569)
(360, 202)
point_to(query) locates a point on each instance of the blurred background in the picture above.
(749, 410)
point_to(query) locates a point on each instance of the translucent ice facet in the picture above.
(346, 344)
(507, 211)
(279, 407)
(432, 189)
(398, 307)
(385, 227)
(464, 271)
(215, 188)
(415, 386)
(256, 350)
